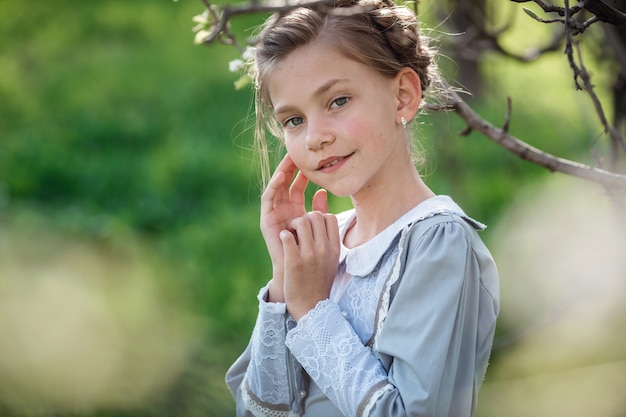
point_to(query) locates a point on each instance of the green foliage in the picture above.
(115, 126)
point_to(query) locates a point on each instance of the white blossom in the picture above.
(235, 65)
(248, 53)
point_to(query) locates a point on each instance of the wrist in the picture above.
(300, 310)
(275, 291)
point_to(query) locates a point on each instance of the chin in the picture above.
(337, 188)
(340, 191)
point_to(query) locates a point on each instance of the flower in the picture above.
(235, 65)
(200, 36)
(248, 53)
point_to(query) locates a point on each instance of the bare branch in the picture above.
(581, 73)
(615, 136)
(229, 11)
(529, 153)
(534, 16)
(478, 38)
(549, 8)
(606, 13)
(569, 48)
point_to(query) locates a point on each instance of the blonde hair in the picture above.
(377, 33)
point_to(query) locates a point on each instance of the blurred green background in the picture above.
(130, 255)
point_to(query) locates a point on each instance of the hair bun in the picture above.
(368, 4)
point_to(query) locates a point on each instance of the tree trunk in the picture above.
(468, 20)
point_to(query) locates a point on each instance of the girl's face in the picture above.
(340, 120)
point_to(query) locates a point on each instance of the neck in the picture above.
(377, 207)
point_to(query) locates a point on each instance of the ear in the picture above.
(408, 93)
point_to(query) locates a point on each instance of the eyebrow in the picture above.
(318, 92)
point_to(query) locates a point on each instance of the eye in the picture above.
(293, 122)
(339, 102)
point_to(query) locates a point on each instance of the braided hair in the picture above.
(377, 33)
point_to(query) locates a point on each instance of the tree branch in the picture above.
(227, 12)
(580, 72)
(606, 13)
(479, 38)
(527, 152)
(549, 8)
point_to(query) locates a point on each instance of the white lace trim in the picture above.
(268, 364)
(320, 309)
(373, 399)
(259, 408)
(386, 296)
(272, 308)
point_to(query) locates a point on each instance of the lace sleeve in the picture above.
(335, 358)
(263, 390)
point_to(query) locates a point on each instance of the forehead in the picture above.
(303, 71)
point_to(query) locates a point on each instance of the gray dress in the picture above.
(407, 330)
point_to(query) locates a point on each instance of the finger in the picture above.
(303, 233)
(275, 192)
(287, 166)
(320, 201)
(318, 227)
(297, 188)
(277, 189)
(332, 229)
(290, 247)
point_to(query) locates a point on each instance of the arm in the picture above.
(257, 378)
(440, 325)
(428, 339)
(262, 377)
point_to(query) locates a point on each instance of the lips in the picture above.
(332, 161)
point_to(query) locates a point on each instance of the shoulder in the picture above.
(441, 225)
(446, 236)
(450, 235)
(441, 219)
(449, 244)
(442, 208)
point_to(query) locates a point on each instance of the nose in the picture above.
(319, 134)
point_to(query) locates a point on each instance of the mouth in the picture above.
(332, 161)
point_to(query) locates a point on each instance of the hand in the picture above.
(281, 203)
(311, 251)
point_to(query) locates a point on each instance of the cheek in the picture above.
(357, 127)
(366, 132)
(295, 152)
(358, 131)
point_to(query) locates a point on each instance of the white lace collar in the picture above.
(361, 260)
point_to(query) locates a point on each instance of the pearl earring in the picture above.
(403, 121)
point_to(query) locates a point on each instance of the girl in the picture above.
(388, 309)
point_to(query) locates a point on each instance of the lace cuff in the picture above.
(265, 376)
(267, 306)
(333, 355)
